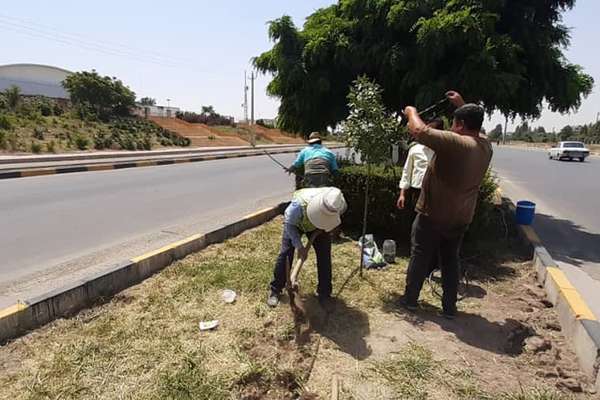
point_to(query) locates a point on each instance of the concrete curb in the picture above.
(35, 312)
(578, 322)
(98, 155)
(28, 172)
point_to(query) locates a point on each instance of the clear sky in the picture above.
(195, 52)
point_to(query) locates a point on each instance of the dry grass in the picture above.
(145, 343)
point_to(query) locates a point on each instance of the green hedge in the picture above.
(384, 218)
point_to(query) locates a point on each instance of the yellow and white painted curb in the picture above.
(29, 172)
(577, 320)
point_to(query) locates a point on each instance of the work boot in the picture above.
(449, 314)
(273, 299)
(409, 305)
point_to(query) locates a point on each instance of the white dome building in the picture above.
(34, 79)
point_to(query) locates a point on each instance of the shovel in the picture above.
(292, 285)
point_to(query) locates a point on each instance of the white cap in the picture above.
(325, 208)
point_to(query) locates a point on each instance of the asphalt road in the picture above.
(567, 195)
(56, 229)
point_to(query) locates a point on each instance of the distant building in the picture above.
(155, 111)
(35, 79)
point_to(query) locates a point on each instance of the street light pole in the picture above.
(168, 103)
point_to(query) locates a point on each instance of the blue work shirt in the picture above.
(291, 219)
(316, 151)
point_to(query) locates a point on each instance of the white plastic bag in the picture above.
(372, 257)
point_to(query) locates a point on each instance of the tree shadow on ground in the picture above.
(502, 337)
(344, 325)
(569, 242)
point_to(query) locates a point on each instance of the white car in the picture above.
(569, 151)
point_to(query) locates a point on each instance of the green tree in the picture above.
(104, 96)
(208, 110)
(496, 133)
(507, 53)
(566, 133)
(13, 97)
(369, 130)
(147, 101)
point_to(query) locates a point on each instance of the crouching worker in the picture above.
(311, 210)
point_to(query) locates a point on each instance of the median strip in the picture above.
(30, 172)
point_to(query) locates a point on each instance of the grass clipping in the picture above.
(145, 343)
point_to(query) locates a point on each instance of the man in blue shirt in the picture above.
(318, 161)
(311, 210)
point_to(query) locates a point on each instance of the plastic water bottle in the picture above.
(389, 251)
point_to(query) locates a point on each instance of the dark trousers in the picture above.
(322, 246)
(316, 180)
(427, 243)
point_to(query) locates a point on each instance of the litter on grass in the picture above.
(208, 325)
(370, 252)
(228, 296)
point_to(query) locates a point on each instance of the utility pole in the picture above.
(245, 105)
(252, 78)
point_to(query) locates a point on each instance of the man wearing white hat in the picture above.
(319, 163)
(311, 209)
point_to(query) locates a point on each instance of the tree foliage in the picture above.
(147, 101)
(369, 130)
(496, 133)
(102, 96)
(13, 97)
(507, 53)
(207, 116)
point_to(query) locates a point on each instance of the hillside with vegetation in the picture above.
(98, 117)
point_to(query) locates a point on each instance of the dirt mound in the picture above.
(273, 135)
(201, 135)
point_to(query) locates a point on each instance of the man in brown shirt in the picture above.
(448, 197)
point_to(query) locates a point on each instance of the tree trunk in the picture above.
(365, 213)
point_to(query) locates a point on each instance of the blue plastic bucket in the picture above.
(525, 212)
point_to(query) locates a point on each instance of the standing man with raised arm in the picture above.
(448, 197)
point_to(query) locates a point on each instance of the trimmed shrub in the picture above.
(211, 119)
(38, 132)
(6, 122)
(51, 146)
(384, 218)
(36, 148)
(102, 141)
(81, 142)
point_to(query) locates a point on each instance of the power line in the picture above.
(78, 38)
(41, 32)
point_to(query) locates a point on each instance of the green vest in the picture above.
(303, 196)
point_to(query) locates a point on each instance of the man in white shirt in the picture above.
(415, 166)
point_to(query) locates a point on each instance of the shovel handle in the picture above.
(300, 262)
